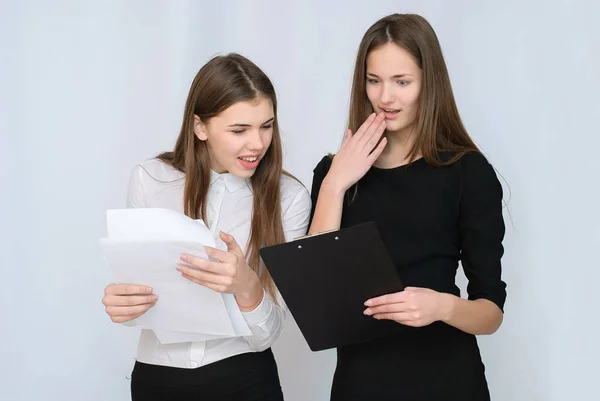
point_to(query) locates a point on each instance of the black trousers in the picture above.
(247, 377)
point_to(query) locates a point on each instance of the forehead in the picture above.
(255, 111)
(391, 59)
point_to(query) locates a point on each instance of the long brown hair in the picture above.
(439, 127)
(220, 83)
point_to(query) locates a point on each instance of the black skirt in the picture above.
(247, 377)
(434, 363)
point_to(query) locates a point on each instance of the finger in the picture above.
(365, 126)
(203, 265)
(375, 137)
(213, 253)
(127, 318)
(128, 300)
(377, 152)
(221, 256)
(232, 245)
(347, 136)
(205, 276)
(212, 286)
(402, 318)
(122, 319)
(375, 127)
(386, 308)
(386, 299)
(127, 310)
(127, 289)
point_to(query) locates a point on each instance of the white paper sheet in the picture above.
(237, 320)
(143, 247)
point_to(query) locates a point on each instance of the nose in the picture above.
(387, 94)
(256, 142)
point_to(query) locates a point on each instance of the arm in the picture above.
(481, 231)
(266, 320)
(333, 178)
(327, 199)
(479, 316)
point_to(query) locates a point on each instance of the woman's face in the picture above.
(238, 137)
(393, 86)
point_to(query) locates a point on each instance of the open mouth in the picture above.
(249, 162)
(390, 113)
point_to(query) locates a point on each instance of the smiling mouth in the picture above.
(249, 159)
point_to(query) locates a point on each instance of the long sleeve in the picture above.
(266, 321)
(481, 230)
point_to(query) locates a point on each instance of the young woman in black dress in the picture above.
(408, 164)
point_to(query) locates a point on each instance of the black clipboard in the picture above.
(325, 279)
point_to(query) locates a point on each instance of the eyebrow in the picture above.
(249, 125)
(395, 76)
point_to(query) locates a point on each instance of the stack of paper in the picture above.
(144, 247)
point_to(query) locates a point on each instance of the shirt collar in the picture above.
(232, 182)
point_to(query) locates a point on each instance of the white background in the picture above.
(90, 88)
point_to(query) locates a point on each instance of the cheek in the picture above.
(223, 144)
(372, 94)
(267, 138)
(411, 97)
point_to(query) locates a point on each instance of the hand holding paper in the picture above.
(231, 274)
(144, 247)
(125, 302)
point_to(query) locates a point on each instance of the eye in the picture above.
(372, 81)
(238, 131)
(268, 126)
(403, 82)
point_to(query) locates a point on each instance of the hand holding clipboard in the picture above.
(325, 280)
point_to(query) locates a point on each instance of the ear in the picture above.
(199, 129)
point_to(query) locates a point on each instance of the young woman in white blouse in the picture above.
(226, 168)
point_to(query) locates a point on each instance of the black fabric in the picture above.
(247, 377)
(430, 218)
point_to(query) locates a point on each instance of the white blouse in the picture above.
(229, 209)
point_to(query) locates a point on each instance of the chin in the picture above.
(242, 173)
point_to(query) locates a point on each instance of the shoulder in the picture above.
(293, 192)
(475, 165)
(157, 170)
(322, 168)
(320, 171)
(478, 174)
(149, 178)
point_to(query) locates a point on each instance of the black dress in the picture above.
(429, 218)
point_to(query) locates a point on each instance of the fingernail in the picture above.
(183, 257)
(149, 289)
(368, 303)
(178, 268)
(367, 311)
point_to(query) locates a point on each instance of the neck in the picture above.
(397, 150)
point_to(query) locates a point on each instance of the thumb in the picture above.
(232, 245)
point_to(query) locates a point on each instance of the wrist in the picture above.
(332, 187)
(250, 297)
(447, 304)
